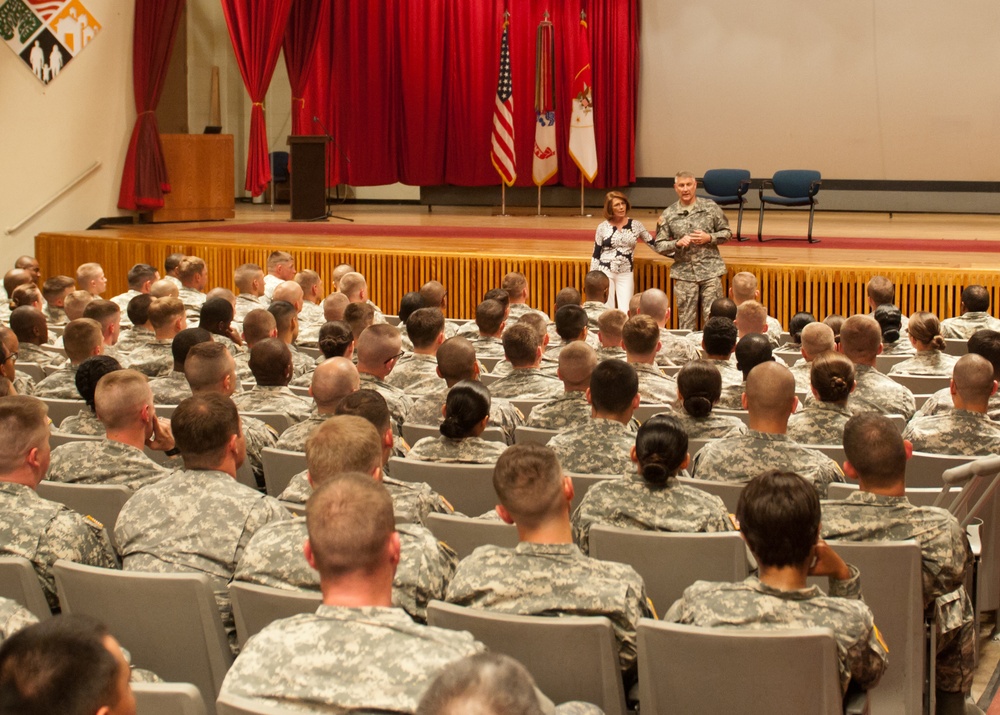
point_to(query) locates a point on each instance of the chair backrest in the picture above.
(32, 369)
(726, 182)
(695, 445)
(670, 562)
(898, 420)
(583, 482)
(884, 363)
(57, 438)
(644, 412)
(686, 669)
(922, 384)
(280, 465)
(101, 501)
(165, 411)
(489, 378)
(794, 183)
(469, 487)
(278, 420)
(542, 644)
(924, 470)
(311, 352)
(169, 622)
(743, 415)
(235, 705)
(168, 699)
(19, 582)
(533, 435)
(833, 451)
(279, 166)
(729, 492)
(789, 357)
(61, 409)
(490, 362)
(254, 607)
(956, 346)
(412, 433)
(465, 535)
(526, 405)
(842, 490)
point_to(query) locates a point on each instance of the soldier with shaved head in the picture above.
(333, 380)
(673, 349)
(271, 365)
(861, 341)
(379, 348)
(154, 359)
(571, 409)
(82, 339)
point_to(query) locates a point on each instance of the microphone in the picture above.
(322, 126)
(330, 138)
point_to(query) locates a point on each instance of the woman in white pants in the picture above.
(614, 246)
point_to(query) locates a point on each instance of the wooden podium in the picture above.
(308, 177)
(200, 170)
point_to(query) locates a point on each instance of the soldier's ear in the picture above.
(633, 456)
(504, 515)
(310, 556)
(686, 462)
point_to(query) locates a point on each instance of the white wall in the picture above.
(52, 133)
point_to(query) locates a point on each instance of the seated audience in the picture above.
(795, 327)
(155, 358)
(641, 338)
(193, 275)
(718, 343)
(355, 287)
(742, 288)
(332, 381)
(596, 291)
(141, 278)
(435, 295)
(171, 266)
(81, 339)
(823, 419)
(13, 618)
(258, 325)
(54, 292)
(280, 268)
(75, 304)
(699, 386)
(466, 415)
(720, 308)
(751, 351)
(491, 319)
(987, 344)
(925, 336)
(217, 318)
(286, 322)
(861, 341)
(141, 331)
(90, 277)
(89, 373)
(271, 365)
(32, 333)
(673, 350)
(173, 387)
(889, 318)
(609, 335)
(523, 347)
(975, 315)
(378, 349)
(109, 315)
(518, 292)
(168, 287)
(816, 338)
(571, 409)
(249, 281)
(881, 292)
(416, 373)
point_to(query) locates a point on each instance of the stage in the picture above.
(469, 249)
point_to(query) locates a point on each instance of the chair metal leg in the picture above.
(739, 222)
(760, 223)
(812, 210)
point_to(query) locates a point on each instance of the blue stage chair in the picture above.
(795, 187)
(728, 187)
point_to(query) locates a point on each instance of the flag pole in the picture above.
(539, 199)
(503, 199)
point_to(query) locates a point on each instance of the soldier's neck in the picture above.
(357, 591)
(132, 436)
(555, 531)
(783, 578)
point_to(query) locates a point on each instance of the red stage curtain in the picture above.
(407, 88)
(144, 178)
(305, 24)
(256, 28)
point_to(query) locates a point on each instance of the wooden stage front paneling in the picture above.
(791, 278)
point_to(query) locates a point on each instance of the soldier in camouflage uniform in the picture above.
(467, 412)
(249, 281)
(543, 576)
(491, 319)
(876, 456)
(890, 320)
(987, 344)
(966, 430)
(718, 341)
(173, 387)
(770, 399)
(571, 409)
(141, 331)
(84, 423)
(33, 528)
(32, 332)
(193, 275)
(416, 374)
(523, 349)
(925, 336)
(783, 542)
(822, 422)
(699, 386)
(674, 350)
(332, 381)
(286, 322)
(355, 652)
(609, 335)
(743, 288)
(378, 349)
(596, 289)
(975, 315)
(604, 444)
(82, 339)
(155, 358)
(641, 338)
(13, 618)
(652, 499)
(274, 556)
(516, 287)
(690, 232)
(816, 338)
(271, 363)
(199, 519)
(860, 338)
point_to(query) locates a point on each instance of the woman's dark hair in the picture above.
(797, 323)
(660, 447)
(890, 319)
(832, 374)
(409, 303)
(700, 384)
(334, 338)
(90, 373)
(467, 404)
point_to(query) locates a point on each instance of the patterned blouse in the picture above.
(613, 247)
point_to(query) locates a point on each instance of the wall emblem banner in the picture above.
(47, 34)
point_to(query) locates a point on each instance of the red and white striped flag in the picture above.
(545, 162)
(502, 143)
(582, 145)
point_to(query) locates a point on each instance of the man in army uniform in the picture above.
(271, 364)
(171, 265)
(861, 341)
(193, 275)
(81, 340)
(516, 286)
(124, 404)
(571, 409)
(32, 332)
(286, 322)
(751, 351)
(33, 528)
(967, 430)
(987, 344)
(54, 291)
(280, 268)
(416, 374)
(609, 335)
(173, 387)
(141, 332)
(817, 338)
(546, 573)
(456, 361)
(155, 359)
(603, 445)
(356, 652)
(743, 287)
(274, 556)
(141, 278)
(779, 517)
(491, 319)
(249, 281)
(435, 295)
(523, 349)
(90, 277)
(975, 315)
(718, 342)
(641, 339)
(355, 287)
(108, 315)
(333, 380)
(199, 519)
(13, 618)
(770, 399)
(379, 348)
(22, 382)
(690, 232)
(881, 291)
(596, 287)
(673, 349)
(571, 326)
(751, 317)
(210, 368)
(879, 511)
(258, 325)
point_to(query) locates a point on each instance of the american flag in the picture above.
(502, 142)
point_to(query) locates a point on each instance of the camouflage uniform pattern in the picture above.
(134, 338)
(548, 367)
(468, 330)
(519, 309)
(965, 325)
(43, 532)
(257, 434)
(595, 309)
(302, 364)
(471, 450)
(60, 385)
(345, 660)
(802, 372)
(674, 350)
(730, 375)
(122, 301)
(631, 503)
(598, 447)
(54, 315)
(612, 353)
(503, 414)
(819, 423)
(274, 398)
(194, 521)
(959, 432)
(753, 605)
(416, 375)
(486, 346)
(170, 389)
(84, 423)
(48, 360)
(274, 558)
(192, 300)
(712, 426)
(243, 372)
(902, 346)
(696, 268)
(740, 459)
(731, 397)
(927, 362)
(13, 618)
(24, 385)
(774, 331)
(941, 402)
(946, 558)
(399, 402)
(567, 411)
(154, 359)
(530, 383)
(655, 388)
(877, 393)
(244, 304)
(551, 580)
(294, 438)
(104, 462)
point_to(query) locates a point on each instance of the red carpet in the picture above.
(841, 242)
